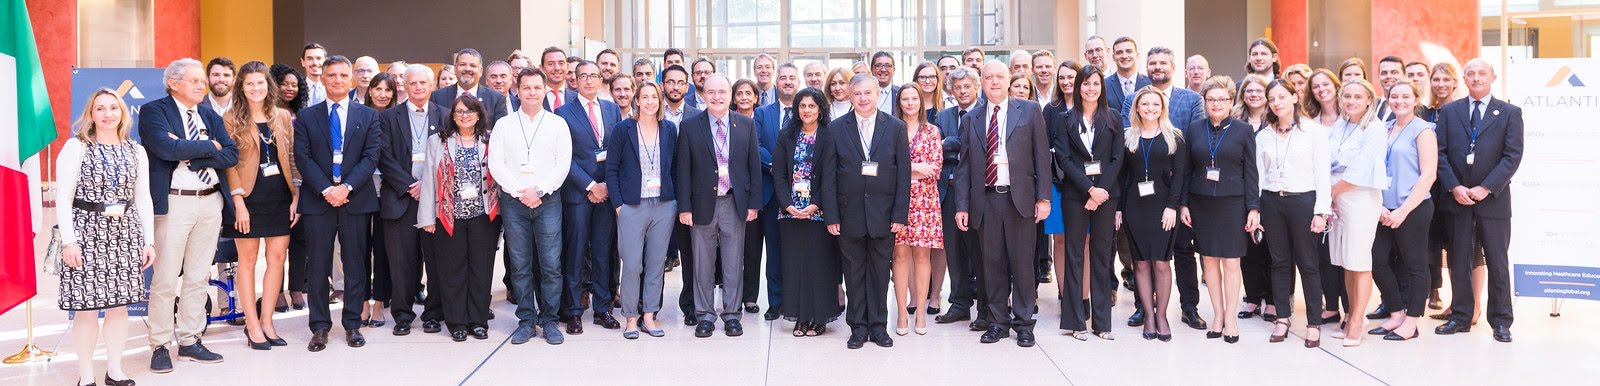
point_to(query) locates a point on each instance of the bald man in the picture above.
(718, 160)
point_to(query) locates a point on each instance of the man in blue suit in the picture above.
(1122, 85)
(189, 149)
(769, 121)
(469, 64)
(337, 145)
(587, 214)
(1183, 109)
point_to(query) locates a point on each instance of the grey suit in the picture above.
(1003, 215)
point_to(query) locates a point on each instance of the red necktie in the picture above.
(993, 174)
(594, 123)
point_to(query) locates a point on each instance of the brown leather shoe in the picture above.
(575, 325)
(319, 340)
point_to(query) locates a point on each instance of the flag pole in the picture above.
(29, 353)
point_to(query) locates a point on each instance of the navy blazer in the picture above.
(696, 164)
(1496, 157)
(585, 167)
(1114, 96)
(395, 160)
(1070, 153)
(623, 174)
(768, 124)
(566, 98)
(1235, 146)
(492, 101)
(949, 123)
(871, 203)
(313, 156)
(161, 117)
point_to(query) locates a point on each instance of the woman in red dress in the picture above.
(923, 231)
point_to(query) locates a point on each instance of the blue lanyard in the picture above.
(1214, 147)
(1146, 149)
(266, 149)
(116, 170)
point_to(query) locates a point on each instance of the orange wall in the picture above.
(1400, 27)
(1290, 31)
(177, 30)
(238, 29)
(55, 23)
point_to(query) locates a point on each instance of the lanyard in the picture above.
(1476, 129)
(1146, 149)
(116, 170)
(1088, 128)
(1284, 147)
(527, 142)
(1218, 145)
(649, 152)
(266, 149)
(718, 145)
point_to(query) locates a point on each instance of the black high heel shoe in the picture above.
(254, 345)
(1213, 334)
(1231, 339)
(275, 341)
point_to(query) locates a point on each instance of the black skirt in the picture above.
(812, 271)
(1219, 225)
(269, 209)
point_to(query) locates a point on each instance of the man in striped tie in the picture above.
(1002, 191)
(188, 148)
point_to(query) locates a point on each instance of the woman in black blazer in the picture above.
(641, 175)
(1223, 202)
(811, 267)
(1089, 200)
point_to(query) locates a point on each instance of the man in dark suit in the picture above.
(1002, 191)
(337, 145)
(769, 121)
(1480, 148)
(497, 76)
(589, 219)
(960, 247)
(883, 70)
(469, 63)
(554, 63)
(680, 250)
(864, 167)
(188, 148)
(1127, 81)
(1391, 69)
(718, 184)
(1183, 109)
(407, 128)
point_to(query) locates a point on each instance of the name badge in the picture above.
(1470, 158)
(652, 183)
(116, 209)
(1213, 173)
(869, 168)
(270, 169)
(525, 168)
(803, 187)
(722, 171)
(1147, 188)
(418, 157)
(600, 155)
(1000, 158)
(467, 192)
(1092, 168)
(338, 158)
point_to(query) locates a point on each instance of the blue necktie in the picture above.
(337, 132)
(1475, 120)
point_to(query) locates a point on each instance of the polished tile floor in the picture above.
(1548, 350)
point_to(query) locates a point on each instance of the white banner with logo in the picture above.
(1555, 232)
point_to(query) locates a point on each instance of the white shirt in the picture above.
(220, 107)
(419, 135)
(674, 115)
(865, 127)
(344, 125)
(1088, 135)
(1003, 174)
(1483, 104)
(182, 177)
(466, 91)
(838, 109)
(541, 142)
(1297, 163)
(69, 164)
(886, 100)
(556, 98)
(315, 93)
(1127, 85)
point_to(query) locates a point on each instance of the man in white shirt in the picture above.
(766, 92)
(311, 58)
(407, 127)
(530, 157)
(1044, 75)
(553, 62)
(883, 70)
(814, 72)
(497, 75)
(219, 74)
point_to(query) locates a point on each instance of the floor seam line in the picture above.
(1063, 372)
(484, 361)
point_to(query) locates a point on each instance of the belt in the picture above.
(88, 205)
(195, 193)
(1003, 189)
(1290, 194)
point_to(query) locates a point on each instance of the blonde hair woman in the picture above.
(1153, 185)
(107, 230)
(1358, 178)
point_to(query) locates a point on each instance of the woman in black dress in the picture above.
(811, 266)
(1153, 172)
(264, 196)
(1224, 200)
(292, 99)
(1089, 152)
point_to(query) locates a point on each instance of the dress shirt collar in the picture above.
(586, 101)
(1001, 104)
(414, 107)
(1486, 99)
(183, 108)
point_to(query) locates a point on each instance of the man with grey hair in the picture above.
(960, 247)
(497, 75)
(814, 72)
(397, 70)
(864, 171)
(189, 148)
(1021, 62)
(407, 127)
(1195, 71)
(719, 166)
(365, 69)
(765, 66)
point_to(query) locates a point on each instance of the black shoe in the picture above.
(1453, 327)
(1213, 334)
(262, 345)
(1137, 319)
(689, 320)
(1335, 319)
(911, 310)
(751, 308)
(732, 328)
(1502, 334)
(1025, 338)
(160, 361)
(604, 320)
(1192, 318)
(933, 310)
(1396, 337)
(319, 340)
(354, 339)
(1382, 312)
(994, 334)
(458, 335)
(1249, 314)
(979, 325)
(197, 352)
(1148, 335)
(480, 333)
(277, 342)
(857, 339)
(952, 317)
(113, 382)
(704, 329)
(1043, 279)
(1269, 318)
(1230, 339)
(882, 339)
(402, 328)
(575, 325)
(1379, 331)
(430, 326)
(771, 314)
(1164, 337)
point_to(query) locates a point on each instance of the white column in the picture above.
(1149, 22)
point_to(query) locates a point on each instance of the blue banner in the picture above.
(1557, 281)
(136, 86)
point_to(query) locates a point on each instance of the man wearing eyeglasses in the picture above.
(587, 214)
(1094, 52)
(365, 69)
(700, 70)
(883, 69)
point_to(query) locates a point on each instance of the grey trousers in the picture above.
(643, 232)
(725, 233)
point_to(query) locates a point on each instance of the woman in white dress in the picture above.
(1358, 144)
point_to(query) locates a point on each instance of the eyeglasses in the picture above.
(465, 113)
(882, 65)
(1219, 100)
(588, 76)
(364, 71)
(927, 77)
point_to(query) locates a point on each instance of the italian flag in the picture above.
(26, 127)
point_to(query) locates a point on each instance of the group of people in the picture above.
(599, 181)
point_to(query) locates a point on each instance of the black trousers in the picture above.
(1041, 252)
(351, 229)
(685, 249)
(1185, 268)
(378, 287)
(1007, 241)
(1253, 270)
(962, 258)
(754, 233)
(866, 281)
(1333, 292)
(1100, 226)
(1399, 262)
(465, 260)
(1293, 247)
(406, 246)
(297, 258)
(1495, 236)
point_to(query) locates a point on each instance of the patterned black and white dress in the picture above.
(111, 245)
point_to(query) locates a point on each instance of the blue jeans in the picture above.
(531, 232)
